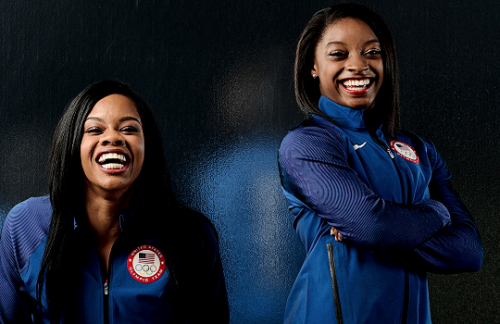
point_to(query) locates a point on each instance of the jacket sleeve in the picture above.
(456, 248)
(13, 296)
(314, 168)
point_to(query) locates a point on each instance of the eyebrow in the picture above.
(371, 41)
(121, 119)
(334, 43)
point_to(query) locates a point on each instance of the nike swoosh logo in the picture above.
(356, 146)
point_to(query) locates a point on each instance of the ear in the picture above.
(314, 71)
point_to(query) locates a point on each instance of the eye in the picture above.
(336, 54)
(129, 129)
(373, 53)
(93, 130)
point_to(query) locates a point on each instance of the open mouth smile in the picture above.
(113, 161)
(357, 85)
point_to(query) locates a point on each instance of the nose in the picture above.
(356, 63)
(112, 137)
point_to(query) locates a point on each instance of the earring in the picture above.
(314, 76)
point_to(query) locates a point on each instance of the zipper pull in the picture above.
(106, 287)
(390, 153)
(384, 145)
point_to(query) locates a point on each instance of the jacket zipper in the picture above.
(389, 151)
(106, 301)
(407, 279)
(105, 290)
(335, 288)
(384, 145)
(107, 275)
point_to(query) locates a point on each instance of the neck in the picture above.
(103, 210)
(102, 215)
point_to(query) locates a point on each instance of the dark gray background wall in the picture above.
(219, 76)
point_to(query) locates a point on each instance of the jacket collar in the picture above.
(136, 206)
(341, 115)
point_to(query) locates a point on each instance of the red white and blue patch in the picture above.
(405, 151)
(146, 264)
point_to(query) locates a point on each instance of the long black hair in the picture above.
(66, 194)
(386, 108)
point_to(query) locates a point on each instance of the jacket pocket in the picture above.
(335, 288)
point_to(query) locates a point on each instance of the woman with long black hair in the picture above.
(373, 205)
(110, 244)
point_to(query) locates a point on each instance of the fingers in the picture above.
(336, 234)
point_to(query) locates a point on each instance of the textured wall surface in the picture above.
(218, 75)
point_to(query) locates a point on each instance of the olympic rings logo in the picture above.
(145, 269)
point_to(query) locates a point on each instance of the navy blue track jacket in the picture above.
(393, 203)
(140, 289)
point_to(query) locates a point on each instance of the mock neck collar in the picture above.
(135, 207)
(343, 116)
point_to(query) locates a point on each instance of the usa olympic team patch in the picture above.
(405, 151)
(146, 264)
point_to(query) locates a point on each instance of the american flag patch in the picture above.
(146, 258)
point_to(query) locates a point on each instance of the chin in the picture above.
(361, 104)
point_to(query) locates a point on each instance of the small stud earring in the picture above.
(314, 76)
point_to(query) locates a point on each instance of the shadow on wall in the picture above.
(238, 188)
(233, 179)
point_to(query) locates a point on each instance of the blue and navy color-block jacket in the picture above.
(140, 289)
(392, 201)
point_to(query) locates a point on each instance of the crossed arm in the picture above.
(436, 234)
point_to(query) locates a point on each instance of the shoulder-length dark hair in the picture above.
(307, 93)
(67, 198)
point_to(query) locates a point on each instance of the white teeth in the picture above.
(112, 166)
(356, 83)
(115, 156)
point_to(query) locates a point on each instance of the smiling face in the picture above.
(112, 148)
(348, 62)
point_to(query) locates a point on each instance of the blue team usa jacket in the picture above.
(392, 201)
(139, 289)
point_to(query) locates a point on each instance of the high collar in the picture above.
(342, 116)
(136, 206)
